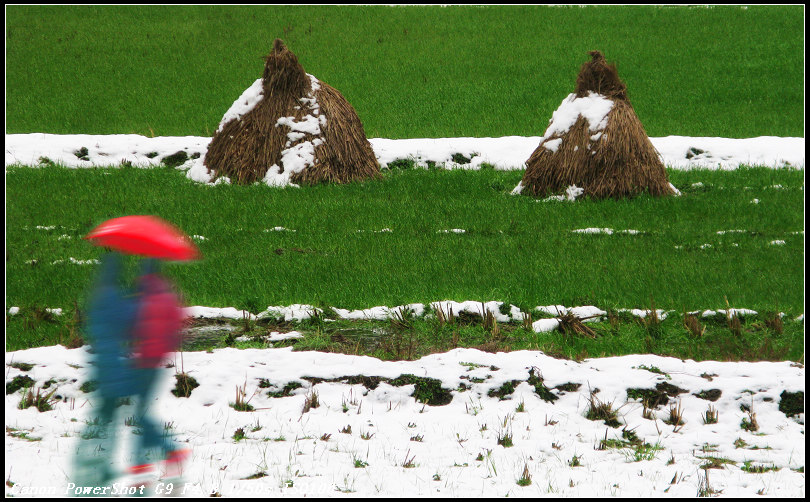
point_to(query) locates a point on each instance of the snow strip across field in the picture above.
(509, 152)
(505, 424)
(301, 312)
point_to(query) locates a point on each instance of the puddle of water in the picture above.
(200, 337)
(366, 337)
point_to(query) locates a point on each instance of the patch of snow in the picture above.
(729, 153)
(215, 312)
(504, 153)
(661, 314)
(296, 312)
(572, 192)
(380, 313)
(544, 325)
(587, 313)
(309, 124)
(594, 108)
(608, 231)
(552, 144)
(91, 261)
(74, 261)
(294, 160)
(675, 190)
(198, 172)
(297, 155)
(515, 313)
(276, 336)
(453, 433)
(729, 312)
(244, 104)
(472, 307)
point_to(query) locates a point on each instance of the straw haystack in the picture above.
(596, 142)
(290, 128)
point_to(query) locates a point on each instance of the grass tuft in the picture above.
(749, 423)
(505, 439)
(571, 325)
(239, 434)
(711, 415)
(750, 467)
(19, 382)
(408, 463)
(184, 385)
(693, 325)
(21, 366)
(42, 402)
(597, 410)
(675, 417)
(239, 403)
(716, 462)
(310, 402)
(525, 478)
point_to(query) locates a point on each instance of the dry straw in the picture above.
(243, 150)
(622, 162)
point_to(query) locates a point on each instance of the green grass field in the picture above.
(420, 72)
(760, 338)
(409, 71)
(515, 249)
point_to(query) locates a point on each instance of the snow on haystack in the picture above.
(595, 141)
(246, 102)
(288, 129)
(297, 155)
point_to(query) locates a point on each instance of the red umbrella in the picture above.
(144, 235)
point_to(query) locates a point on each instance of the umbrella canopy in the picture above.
(144, 235)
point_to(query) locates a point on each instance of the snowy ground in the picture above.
(510, 152)
(398, 446)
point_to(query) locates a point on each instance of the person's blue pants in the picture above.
(154, 442)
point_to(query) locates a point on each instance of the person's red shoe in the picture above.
(141, 470)
(143, 477)
(175, 462)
